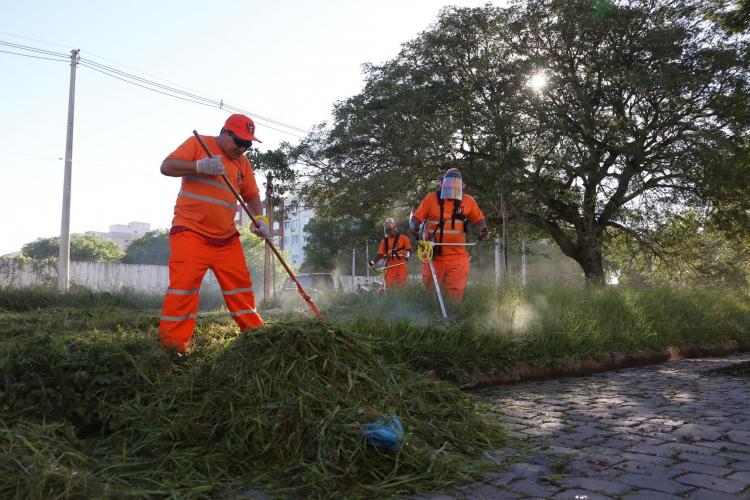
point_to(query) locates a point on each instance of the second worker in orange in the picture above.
(447, 213)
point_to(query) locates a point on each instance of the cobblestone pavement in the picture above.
(664, 431)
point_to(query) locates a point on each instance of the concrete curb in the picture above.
(525, 371)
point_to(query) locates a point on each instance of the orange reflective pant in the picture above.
(452, 274)
(396, 277)
(189, 259)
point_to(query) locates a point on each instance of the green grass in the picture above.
(496, 329)
(91, 406)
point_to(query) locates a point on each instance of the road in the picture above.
(666, 431)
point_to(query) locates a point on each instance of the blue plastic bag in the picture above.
(385, 432)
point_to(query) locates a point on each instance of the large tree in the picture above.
(641, 99)
(82, 248)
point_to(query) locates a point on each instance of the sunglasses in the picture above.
(241, 143)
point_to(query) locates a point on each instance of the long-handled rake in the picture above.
(301, 290)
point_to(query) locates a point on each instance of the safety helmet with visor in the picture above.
(451, 185)
(390, 227)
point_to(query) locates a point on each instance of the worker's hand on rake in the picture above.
(210, 166)
(261, 230)
(371, 264)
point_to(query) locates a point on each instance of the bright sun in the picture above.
(537, 82)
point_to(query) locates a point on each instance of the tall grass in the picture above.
(91, 406)
(495, 329)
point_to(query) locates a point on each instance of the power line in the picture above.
(35, 57)
(216, 102)
(157, 87)
(32, 49)
(33, 39)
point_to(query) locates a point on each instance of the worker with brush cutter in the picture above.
(204, 235)
(446, 214)
(393, 254)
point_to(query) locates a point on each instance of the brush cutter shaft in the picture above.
(454, 244)
(276, 252)
(437, 290)
(424, 252)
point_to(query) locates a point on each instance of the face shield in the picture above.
(452, 186)
(389, 228)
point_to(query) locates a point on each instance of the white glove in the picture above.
(407, 254)
(261, 229)
(210, 166)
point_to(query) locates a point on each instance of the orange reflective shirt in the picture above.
(453, 231)
(205, 204)
(402, 245)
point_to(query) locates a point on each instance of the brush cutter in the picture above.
(381, 271)
(424, 253)
(254, 220)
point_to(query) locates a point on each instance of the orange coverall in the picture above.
(203, 237)
(395, 277)
(451, 262)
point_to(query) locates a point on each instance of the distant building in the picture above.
(295, 236)
(122, 234)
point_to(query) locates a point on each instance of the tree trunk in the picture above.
(589, 257)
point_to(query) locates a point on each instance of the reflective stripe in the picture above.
(174, 291)
(238, 290)
(203, 180)
(453, 231)
(230, 205)
(244, 311)
(447, 221)
(178, 318)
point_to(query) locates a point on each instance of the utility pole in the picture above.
(504, 216)
(523, 262)
(497, 262)
(267, 256)
(282, 223)
(63, 261)
(367, 256)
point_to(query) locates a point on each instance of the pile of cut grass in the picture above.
(89, 411)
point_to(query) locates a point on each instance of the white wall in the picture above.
(97, 276)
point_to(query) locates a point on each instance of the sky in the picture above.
(287, 60)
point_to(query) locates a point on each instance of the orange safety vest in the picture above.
(400, 245)
(447, 222)
(205, 204)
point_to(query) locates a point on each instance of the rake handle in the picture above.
(276, 252)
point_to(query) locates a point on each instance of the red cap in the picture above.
(242, 126)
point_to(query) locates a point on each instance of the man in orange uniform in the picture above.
(447, 213)
(203, 234)
(395, 248)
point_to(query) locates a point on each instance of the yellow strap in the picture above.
(424, 250)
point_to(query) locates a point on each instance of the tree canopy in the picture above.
(88, 248)
(276, 163)
(635, 108)
(151, 248)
